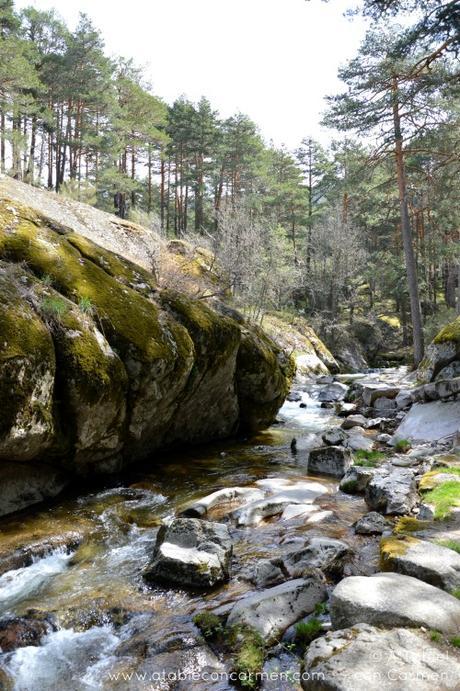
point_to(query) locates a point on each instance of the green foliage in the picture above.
(456, 593)
(450, 544)
(436, 636)
(85, 305)
(455, 641)
(402, 446)
(209, 624)
(306, 631)
(369, 459)
(249, 654)
(54, 307)
(444, 497)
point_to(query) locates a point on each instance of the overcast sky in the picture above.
(272, 59)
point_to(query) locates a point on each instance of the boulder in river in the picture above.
(442, 351)
(111, 365)
(392, 490)
(334, 436)
(356, 479)
(272, 611)
(429, 421)
(329, 460)
(422, 559)
(391, 599)
(333, 393)
(323, 553)
(371, 523)
(191, 553)
(356, 420)
(367, 657)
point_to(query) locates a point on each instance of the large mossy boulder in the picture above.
(442, 351)
(100, 367)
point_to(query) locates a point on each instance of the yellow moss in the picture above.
(129, 317)
(393, 547)
(409, 524)
(451, 332)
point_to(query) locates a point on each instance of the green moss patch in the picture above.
(444, 498)
(393, 547)
(368, 459)
(408, 524)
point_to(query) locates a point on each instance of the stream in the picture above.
(81, 579)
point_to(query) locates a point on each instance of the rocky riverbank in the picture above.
(263, 564)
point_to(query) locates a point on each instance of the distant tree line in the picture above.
(369, 225)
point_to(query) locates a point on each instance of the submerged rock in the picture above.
(222, 497)
(425, 560)
(371, 523)
(329, 460)
(391, 660)
(272, 611)
(392, 490)
(288, 494)
(19, 632)
(191, 553)
(391, 599)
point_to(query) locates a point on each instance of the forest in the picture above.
(367, 226)
(229, 368)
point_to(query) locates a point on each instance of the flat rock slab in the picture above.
(392, 490)
(230, 495)
(191, 553)
(376, 660)
(289, 493)
(430, 421)
(422, 559)
(391, 599)
(272, 611)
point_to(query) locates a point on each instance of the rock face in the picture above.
(391, 660)
(329, 460)
(191, 553)
(425, 560)
(272, 611)
(392, 490)
(100, 367)
(430, 421)
(24, 484)
(390, 599)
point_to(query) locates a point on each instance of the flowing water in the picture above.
(84, 580)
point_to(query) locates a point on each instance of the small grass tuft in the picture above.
(208, 623)
(456, 593)
(455, 641)
(86, 306)
(321, 608)
(368, 459)
(54, 307)
(436, 636)
(450, 544)
(402, 446)
(306, 631)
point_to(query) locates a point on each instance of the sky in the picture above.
(274, 60)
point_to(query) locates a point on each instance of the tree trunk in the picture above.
(411, 269)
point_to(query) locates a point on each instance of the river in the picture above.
(84, 581)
